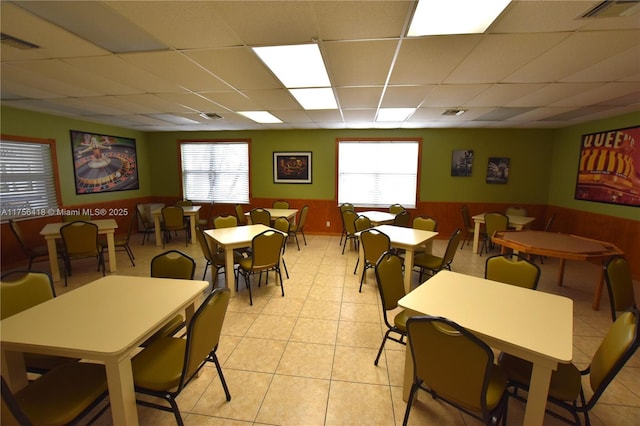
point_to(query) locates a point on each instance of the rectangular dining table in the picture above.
(408, 239)
(189, 211)
(290, 214)
(51, 232)
(234, 238)
(104, 321)
(515, 222)
(378, 218)
(530, 324)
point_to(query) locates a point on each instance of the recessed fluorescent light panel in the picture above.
(260, 116)
(295, 66)
(321, 98)
(440, 17)
(394, 114)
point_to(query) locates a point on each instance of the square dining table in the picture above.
(515, 222)
(104, 321)
(408, 239)
(51, 232)
(234, 238)
(378, 218)
(189, 211)
(530, 324)
(290, 214)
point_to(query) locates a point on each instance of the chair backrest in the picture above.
(390, 280)
(346, 206)
(516, 211)
(225, 222)
(242, 219)
(374, 244)
(75, 217)
(452, 245)
(132, 224)
(173, 217)
(203, 332)
(266, 249)
(15, 229)
(619, 344)
(547, 227)
(425, 223)
(395, 208)
(519, 271)
(184, 203)
(452, 362)
(466, 217)
(260, 215)
(361, 223)
(207, 251)
(80, 238)
(495, 222)
(402, 219)
(173, 264)
(280, 204)
(617, 273)
(143, 217)
(303, 217)
(348, 219)
(27, 290)
(282, 224)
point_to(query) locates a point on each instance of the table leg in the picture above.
(156, 223)
(121, 392)
(192, 221)
(537, 396)
(14, 370)
(228, 271)
(408, 269)
(561, 271)
(476, 237)
(408, 373)
(598, 293)
(111, 248)
(53, 259)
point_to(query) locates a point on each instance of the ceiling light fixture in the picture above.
(316, 98)
(440, 17)
(454, 111)
(261, 116)
(394, 114)
(210, 115)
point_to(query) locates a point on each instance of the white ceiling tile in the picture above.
(361, 63)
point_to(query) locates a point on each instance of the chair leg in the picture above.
(304, 238)
(414, 388)
(214, 358)
(205, 269)
(384, 340)
(248, 283)
(130, 253)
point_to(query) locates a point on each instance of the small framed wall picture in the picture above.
(498, 170)
(292, 167)
(461, 162)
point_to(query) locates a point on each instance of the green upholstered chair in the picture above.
(617, 273)
(433, 264)
(361, 223)
(567, 387)
(213, 257)
(260, 216)
(266, 249)
(493, 222)
(80, 241)
(173, 220)
(402, 219)
(512, 269)
(33, 253)
(205, 222)
(177, 265)
(20, 290)
(390, 281)
(374, 244)
(75, 217)
(225, 221)
(457, 367)
(148, 227)
(280, 204)
(395, 208)
(349, 218)
(468, 228)
(61, 396)
(167, 365)
(121, 241)
(298, 227)
(425, 223)
(282, 224)
(242, 219)
(343, 207)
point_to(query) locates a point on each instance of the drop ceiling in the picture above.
(539, 65)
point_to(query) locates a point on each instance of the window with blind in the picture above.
(215, 171)
(27, 179)
(376, 173)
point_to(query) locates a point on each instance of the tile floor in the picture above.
(307, 358)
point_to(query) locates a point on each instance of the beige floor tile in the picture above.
(359, 334)
(311, 330)
(295, 401)
(307, 359)
(252, 354)
(356, 365)
(353, 404)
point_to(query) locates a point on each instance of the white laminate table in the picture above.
(515, 222)
(189, 211)
(408, 239)
(103, 321)
(530, 324)
(231, 239)
(51, 232)
(378, 218)
(290, 214)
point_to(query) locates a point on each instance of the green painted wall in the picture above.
(15, 122)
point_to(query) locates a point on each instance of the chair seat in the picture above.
(159, 366)
(428, 261)
(66, 390)
(400, 320)
(565, 381)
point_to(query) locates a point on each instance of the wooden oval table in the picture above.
(562, 246)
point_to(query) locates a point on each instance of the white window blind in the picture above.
(215, 171)
(27, 182)
(378, 173)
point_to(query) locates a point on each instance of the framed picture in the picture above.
(609, 167)
(461, 162)
(103, 163)
(498, 170)
(292, 167)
